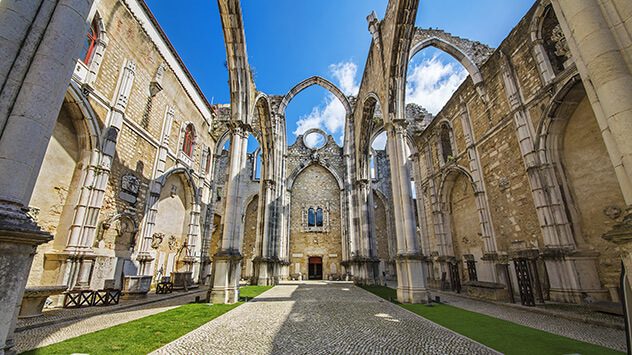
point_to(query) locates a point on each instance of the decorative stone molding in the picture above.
(612, 211)
(156, 240)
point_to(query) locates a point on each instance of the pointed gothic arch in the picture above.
(315, 80)
(453, 51)
(324, 164)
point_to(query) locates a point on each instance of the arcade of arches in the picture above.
(521, 186)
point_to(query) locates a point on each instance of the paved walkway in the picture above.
(321, 318)
(61, 324)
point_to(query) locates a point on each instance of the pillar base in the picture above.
(411, 279)
(225, 277)
(19, 238)
(266, 271)
(365, 271)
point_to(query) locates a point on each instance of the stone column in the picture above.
(366, 260)
(480, 195)
(266, 248)
(411, 271)
(227, 261)
(86, 216)
(155, 187)
(39, 43)
(596, 36)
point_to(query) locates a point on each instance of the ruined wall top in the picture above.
(476, 51)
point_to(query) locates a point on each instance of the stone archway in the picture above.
(315, 80)
(57, 193)
(315, 221)
(574, 156)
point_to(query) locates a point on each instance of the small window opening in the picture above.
(446, 145)
(311, 218)
(187, 146)
(88, 45)
(319, 217)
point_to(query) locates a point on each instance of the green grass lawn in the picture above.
(498, 334)
(144, 335)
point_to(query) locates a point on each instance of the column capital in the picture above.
(238, 128)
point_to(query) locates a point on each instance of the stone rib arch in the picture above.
(189, 179)
(450, 49)
(87, 124)
(324, 164)
(549, 146)
(470, 54)
(320, 81)
(475, 52)
(448, 178)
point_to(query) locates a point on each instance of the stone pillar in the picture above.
(155, 187)
(39, 43)
(411, 271)
(482, 204)
(366, 260)
(93, 191)
(266, 258)
(594, 32)
(596, 36)
(227, 261)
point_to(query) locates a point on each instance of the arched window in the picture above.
(88, 44)
(319, 217)
(372, 165)
(446, 143)
(207, 161)
(311, 218)
(189, 136)
(553, 40)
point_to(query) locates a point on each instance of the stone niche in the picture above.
(488, 290)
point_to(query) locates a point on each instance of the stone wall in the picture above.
(90, 116)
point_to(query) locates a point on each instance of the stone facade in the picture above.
(133, 202)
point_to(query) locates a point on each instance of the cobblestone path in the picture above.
(54, 333)
(321, 318)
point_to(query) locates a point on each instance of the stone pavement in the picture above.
(321, 318)
(60, 324)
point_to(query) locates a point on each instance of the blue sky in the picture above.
(290, 40)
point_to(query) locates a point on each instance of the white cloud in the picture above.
(432, 82)
(379, 142)
(330, 114)
(345, 73)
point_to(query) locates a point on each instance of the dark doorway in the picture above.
(315, 268)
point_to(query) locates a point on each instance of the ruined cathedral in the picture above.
(116, 172)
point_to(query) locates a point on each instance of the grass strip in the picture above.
(504, 336)
(147, 334)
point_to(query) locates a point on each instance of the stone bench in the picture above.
(488, 290)
(296, 277)
(35, 297)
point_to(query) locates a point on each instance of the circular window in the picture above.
(314, 138)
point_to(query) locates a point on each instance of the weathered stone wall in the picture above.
(593, 188)
(314, 186)
(136, 151)
(250, 237)
(586, 186)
